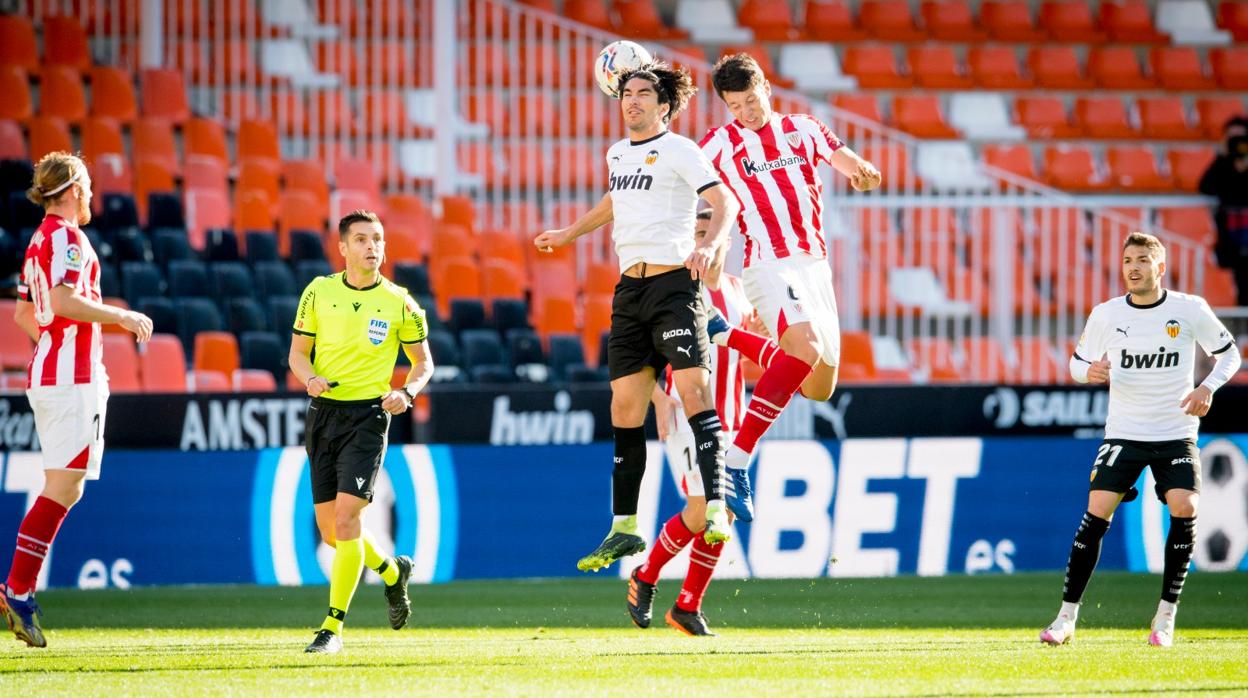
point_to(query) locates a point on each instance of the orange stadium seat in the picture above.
(1037, 361)
(1163, 118)
(121, 360)
(61, 94)
(1103, 117)
(770, 20)
(486, 107)
(1057, 68)
(452, 240)
(252, 176)
(922, 116)
(894, 162)
(1116, 68)
(1015, 159)
(950, 21)
(832, 20)
(1219, 291)
(1233, 17)
(985, 360)
(340, 13)
(1230, 66)
(288, 112)
(1179, 68)
(550, 277)
(1188, 165)
(1191, 222)
(307, 176)
(875, 67)
(1045, 117)
(253, 210)
(298, 209)
(1134, 168)
(1009, 20)
(460, 210)
(215, 351)
(65, 43)
(591, 12)
(162, 365)
(204, 138)
(601, 278)
(504, 245)
(101, 138)
(1069, 22)
(150, 176)
(889, 20)
(597, 321)
(969, 286)
(164, 95)
(340, 58)
(201, 381)
(112, 94)
(1130, 21)
(18, 47)
(358, 174)
(152, 141)
(454, 277)
(577, 164)
(641, 19)
(936, 66)
(555, 316)
(856, 354)
(935, 357)
(410, 215)
(1072, 167)
(481, 160)
(12, 142)
(47, 135)
(502, 278)
(1214, 112)
(15, 86)
(996, 67)
(863, 105)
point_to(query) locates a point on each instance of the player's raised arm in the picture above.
(862, 174)
(598, 216)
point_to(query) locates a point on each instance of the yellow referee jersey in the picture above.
(357, 332)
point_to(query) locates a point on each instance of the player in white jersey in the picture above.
(60, 310)
(770, 161)
(1144, 345)
(725, 293)
(657, 316)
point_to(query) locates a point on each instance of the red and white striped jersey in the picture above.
(772, 172)
(727, 373)
(68, 351)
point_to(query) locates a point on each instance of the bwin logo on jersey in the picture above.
(633, 181)
(1162, 359)
(682, 332)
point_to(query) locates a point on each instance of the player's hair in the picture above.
(54, 174)
(674, 86)
(357, 216)
(736, 73)
(1154, 246)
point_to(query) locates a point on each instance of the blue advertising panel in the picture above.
(858, 507)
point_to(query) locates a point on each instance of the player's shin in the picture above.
(702, 560)
(672, 539)
(1085, 552)
(630, 466)
(771, 395)
(709, 448)
(757, 348)
(1180, 543)
(378, 562)
(34, 537)
(344, 576)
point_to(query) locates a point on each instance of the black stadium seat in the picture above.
(118, 211)
(169, 244)
(565, 352)
(245, 315)
(188, 278)
(230, 280)
(282, 312)
(309, 269)
(160, 310)
(305, 244)
(265, 351)
(261, 247)
(467, 314)
(273, 278)
(140, 280)
(509, 314)
(483, 355)
(164, 210)
(413, 277)
(196, 315)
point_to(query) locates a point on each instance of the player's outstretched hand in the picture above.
(1098, 372)
(139, 324)
(550, 239)
(866, 178)
(699, 262)
(1197, 402)
(395, 402)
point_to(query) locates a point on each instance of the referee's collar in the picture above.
(1154, 304)
(366, 288)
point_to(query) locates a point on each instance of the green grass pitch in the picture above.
(900, 636)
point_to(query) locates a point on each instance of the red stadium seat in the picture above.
(1233, 17)
(770, 20)
(1116, 68)
(61, 94)
(65, 44)
(1009, 20)
(1230, 67)
(922, 116)
(1057, 68)
(153, 142)
(253, 380)
(1179, 68)
(996, 67)
(1103, 117)
(936, 66)
(889, 20)
(1070, 22)
(1072, 167)
(833, 21)
(307, 176)
(201, 381)
(1130, 21)
(1191, 222)
(47, 135)
(1015, 159)
(121, 360)
(15, 86)
(12, 142)
(863, 105)
(205, 173)
(15, 347)
(1134, 168)
(874, 67)
(856, 352)
(591, 12)
(112, 94)
(1188, 165)
(1214, 112)
(950, 21)
(164, 95)
(1045, 117)
(162, 365)
(641, 19)
(1163, 118)
(206, 209)
(18, 47)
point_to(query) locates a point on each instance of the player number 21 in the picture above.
(1113, 451)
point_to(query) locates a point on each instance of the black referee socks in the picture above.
(707, 433)
(1084, 554)
(1180, 543)
(630, 465)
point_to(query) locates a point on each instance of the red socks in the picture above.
(702, 560)
(672, 539)
(774, 390)
(35, 536)
(756, 348)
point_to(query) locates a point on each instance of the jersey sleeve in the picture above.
(305, 313)
(1091, 346)
(826, 142)
(1211, 334)
(693, 166)
(712, 147)
(67, 258)
(23, 283)
(413, 330)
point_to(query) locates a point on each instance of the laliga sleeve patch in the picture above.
(73, 258)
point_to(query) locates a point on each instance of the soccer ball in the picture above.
(617, 58)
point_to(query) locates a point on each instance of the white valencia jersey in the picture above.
(1152, 353)
(654, 186)
(772, 173)
(727, 373)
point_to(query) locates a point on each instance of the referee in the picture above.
(354, 322)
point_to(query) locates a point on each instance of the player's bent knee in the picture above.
(694, 516)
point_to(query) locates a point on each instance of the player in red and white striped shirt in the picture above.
(726, 294)
(769, 162)
(67, 386)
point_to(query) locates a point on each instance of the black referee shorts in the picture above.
(1119, 462)
(656, 321)
(346, 442)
